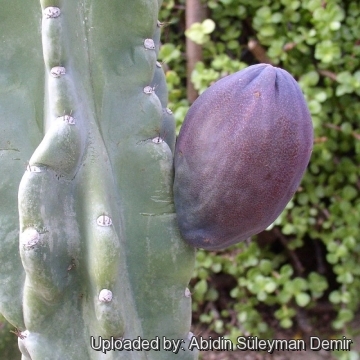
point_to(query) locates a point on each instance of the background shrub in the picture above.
(304, 269)
(8, 341)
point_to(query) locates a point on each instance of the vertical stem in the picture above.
(195, 12)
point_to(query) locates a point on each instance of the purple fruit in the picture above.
(240, 156)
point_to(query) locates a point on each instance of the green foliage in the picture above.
(317, 42)
(8, 341)
(199, 32)
(261, 278)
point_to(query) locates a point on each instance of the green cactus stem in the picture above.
(100, 250)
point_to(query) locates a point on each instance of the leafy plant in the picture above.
(317, 249)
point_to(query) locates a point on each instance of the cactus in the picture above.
(83, 100)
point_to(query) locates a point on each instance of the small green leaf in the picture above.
(201, 287)
(335, 297)
(270, 286)
(335, 25)
(314, 107)
(267, 30)
(265, 266)
(208, 26)
(216, 268)
(345, 315)
(286, 323)
(302, 299)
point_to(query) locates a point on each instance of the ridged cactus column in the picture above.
(99, 244)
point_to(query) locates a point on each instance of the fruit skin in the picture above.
(240, 156)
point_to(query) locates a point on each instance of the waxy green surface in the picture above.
(95, 205)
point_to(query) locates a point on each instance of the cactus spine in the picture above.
(99, 244)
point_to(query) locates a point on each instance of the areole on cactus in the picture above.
(89, 239)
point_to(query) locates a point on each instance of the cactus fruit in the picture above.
(100, 249)
(240, 156)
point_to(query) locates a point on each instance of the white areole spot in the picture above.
(68, 119)
(168, 111)
(30, 237)
(33, 168)
(187, 293)
(148, 90)
(158, 64)
(24, 334)
(57, 71)
(149, 44)
(157, 140)
(105, 295)
(51, 12)
(104, 220)
(190, 335)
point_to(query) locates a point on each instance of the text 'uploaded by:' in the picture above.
(138, 344)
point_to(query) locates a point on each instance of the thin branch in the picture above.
(293, 257)
(320, 264)
(303, 320)
(289, 46)
(320, 140)
(258, 51)
(328, 74)
(338, 128)
(194, 12)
